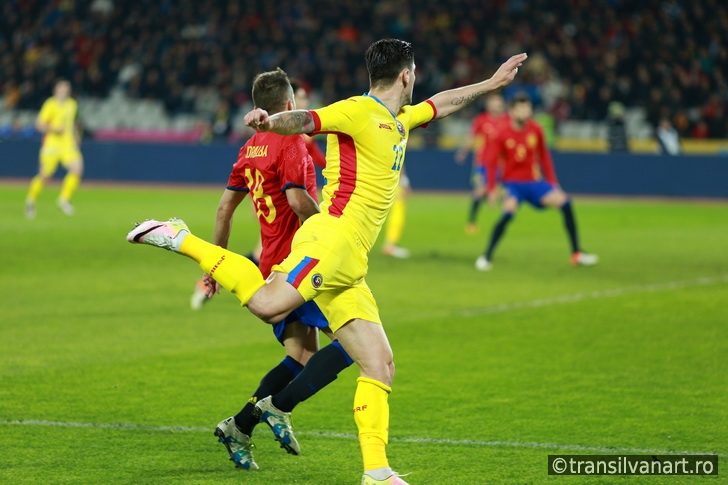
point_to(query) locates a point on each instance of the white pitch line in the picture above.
(348, 436)
(574, 298)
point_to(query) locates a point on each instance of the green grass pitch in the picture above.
(108, 377)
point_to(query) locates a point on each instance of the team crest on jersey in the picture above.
(531, 140)
(400, 128)
(317, 280)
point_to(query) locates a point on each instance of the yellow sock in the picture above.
(395, 221)
(70, 184)
(235, 273)
(195, 248)
(36, 186)
(371, 414)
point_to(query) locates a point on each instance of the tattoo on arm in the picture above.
(293, 122)
(465, 100)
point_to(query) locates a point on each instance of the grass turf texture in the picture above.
(503, 368)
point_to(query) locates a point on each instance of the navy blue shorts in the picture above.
(532, 192)
(309, 314)
(477, 177)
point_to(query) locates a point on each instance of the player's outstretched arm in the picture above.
(293, 122)
(450, 101)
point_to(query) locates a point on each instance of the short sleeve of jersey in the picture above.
(422, 113)
(348, 116)
(236, 180)
(293, 160)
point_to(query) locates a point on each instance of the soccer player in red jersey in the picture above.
(300, 96)
(527, 173)
(303, 102)
(278, 174)
(483, 132)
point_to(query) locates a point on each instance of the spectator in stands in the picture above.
(616, 129)
(668, 138)
(222, 124)
(607, 52)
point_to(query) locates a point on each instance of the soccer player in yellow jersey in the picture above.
(57, 122)
(367, 136)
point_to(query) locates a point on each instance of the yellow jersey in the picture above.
(364, 156)
(59, 115)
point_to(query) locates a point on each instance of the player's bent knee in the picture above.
(510, 205)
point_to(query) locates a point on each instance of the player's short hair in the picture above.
(385, 60)
(519, 98)
(272, 90)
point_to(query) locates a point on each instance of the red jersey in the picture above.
(524, 153)
(485, 129)
(267, 165)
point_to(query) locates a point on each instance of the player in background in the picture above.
(199, 295)
(278, 174)
(303, 102)
(483, 131)
(61, 137)
(394, 226)
(527, 174)
(366, 143)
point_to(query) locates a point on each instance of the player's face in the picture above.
(521, 112)
(301, 99)
(494, 105)
(62, 90)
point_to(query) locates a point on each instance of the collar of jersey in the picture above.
(380, 102)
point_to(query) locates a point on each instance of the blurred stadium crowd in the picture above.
(668, 57)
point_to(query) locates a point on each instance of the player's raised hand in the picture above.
(508, 70)
(258, 119)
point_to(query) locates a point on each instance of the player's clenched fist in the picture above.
(258, 119)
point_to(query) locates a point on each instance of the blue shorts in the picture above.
(532, 192)
(309, 314)
(478, 175)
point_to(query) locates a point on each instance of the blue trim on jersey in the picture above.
(532, 192)
(294, 272)
(308, 314)
(238, 189)
(291, 185)
(367, 95)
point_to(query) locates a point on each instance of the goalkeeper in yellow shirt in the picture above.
(57, 122)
